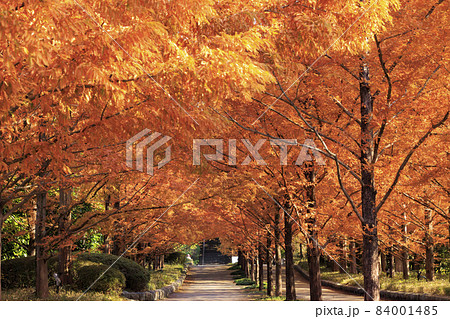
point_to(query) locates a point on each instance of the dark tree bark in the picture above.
(383, 262)
(343, 259)
(260, 267)
(429, 247)
(289, 255)
(252, 269)
(1, 227)
(247, 267)
(64, 223)
(368, 192)
(390, 263)
(313, 250)
(269, 260)
(405, 264)
(405, 256)
(278, 278)
(41, 256)
(352, 248)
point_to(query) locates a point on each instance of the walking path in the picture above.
(329, 294)
(209, 283)
(214, 283)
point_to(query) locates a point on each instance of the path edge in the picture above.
(157, 294)
(386, 294)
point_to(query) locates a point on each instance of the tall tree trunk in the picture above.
(368, 192)
(108, 240)
(429, 246)
(383, 262)
(352, 248)
(161, 262)
(343, 259)
(41, 256)
(405, 264)
(256, 268)
(315, 283)
(64, 223)
(289, 255)
(269, 260)
(260, 267)
(398, 263)
(1, 227)
(247, 267)
(31, 247)
(252, 269)
(313, 250)
(278, 278)
(405, 261)
(390, 262)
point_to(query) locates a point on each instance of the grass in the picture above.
(161, 278)
(440, 286)
(28, 294)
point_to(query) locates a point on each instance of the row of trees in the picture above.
(77, 82)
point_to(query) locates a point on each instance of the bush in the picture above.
(113, 280)
(176, 258)
(244, 282)
(21, 272)
(136, 276)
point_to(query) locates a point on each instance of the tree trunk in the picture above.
(343, 258)
(161, 262)
(1, 227)
(390, 262)
(429, 247)
(260, 267)
(335, 265)
(352, 248)
(405, 249)
(269, 260)
(368, 192)
(289, 255)
(278, 278)
(247, 268)
(108, 241)
(252, 269)
(383, 262)
(313, 250)
(41, 258)
(315, 283)
(301, 252)
(256, 269)
(64, 223)
(405, 263)
(398, 264)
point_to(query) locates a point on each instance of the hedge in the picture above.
(112, 280)
(136, 276)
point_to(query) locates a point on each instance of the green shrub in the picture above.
(237, 274)
(244, 282)
(113, 280)
(21, 272)
(176, 258)
(136, 276)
